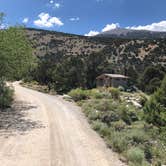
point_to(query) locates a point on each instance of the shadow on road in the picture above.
(14, 120)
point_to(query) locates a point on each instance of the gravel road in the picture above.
(54, 133)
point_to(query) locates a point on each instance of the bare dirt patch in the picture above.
(14, 120)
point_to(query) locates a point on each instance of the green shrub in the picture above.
(95, 93)
(135, 155)
(119, 125)
(117, 141)
(93, 115)
(143, 99)
(155, 108)
(79, 94)
(104, 131)
(115, 93)
(104, 105)
(148, 152)
(109, 117)
(127, 114)
(137, 136)
(102, 128)
(96, 125)
(6, 95)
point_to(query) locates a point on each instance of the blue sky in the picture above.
(84, 16)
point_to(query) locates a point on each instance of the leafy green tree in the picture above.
(151, 79)
(15, 53)
(155, 108)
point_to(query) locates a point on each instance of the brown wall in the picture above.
(114, 82)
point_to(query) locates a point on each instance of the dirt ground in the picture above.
(45, 130)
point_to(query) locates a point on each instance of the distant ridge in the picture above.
(118, 51)
(132, 34)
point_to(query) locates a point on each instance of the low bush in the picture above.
(96, 94)
(155, 108)
(127, 114)
(104, 131)
(110, 117)
(115, 93)
(143, 99)
(119, 125)
(96, 125)
(104, 105)
(118, 142)
(137, 136)
(93, 115)
(6, 95)
(79, 94)
(136, 156)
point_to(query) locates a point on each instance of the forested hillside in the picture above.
(119, 52)
(68, 61)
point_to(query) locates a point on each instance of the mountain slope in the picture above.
(138, 53)
(51, 42)
(132, 34)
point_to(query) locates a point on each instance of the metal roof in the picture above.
(113, 76)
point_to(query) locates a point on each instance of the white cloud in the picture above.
(160, 26)
(3, 26)
(51, 1)
(74, 19)
(109, 27)
(56, 5)
(53, 4)
(25, 20)
(92, 33)
(45, 20)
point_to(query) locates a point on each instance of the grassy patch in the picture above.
(136, 156)
(122, 125)
(6, 95)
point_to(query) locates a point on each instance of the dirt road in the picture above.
(52, 132)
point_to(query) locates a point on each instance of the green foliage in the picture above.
(94, 115)
(118, 142)
(143, 99)
(101, 127)
(136, 156)
(151, 78)
(137, 136)
(118, 125)
(79, 94)
(15, 53)
(70, 72)
(6, 95)
(95, 93)
(123, 128)
(155, 108)
(128, 114)
(133, 74)
(115, 93)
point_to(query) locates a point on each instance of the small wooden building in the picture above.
(112, 80)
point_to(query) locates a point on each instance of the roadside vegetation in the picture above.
(16, 60)
(36, 86)
(6, 95)
(137, 134)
